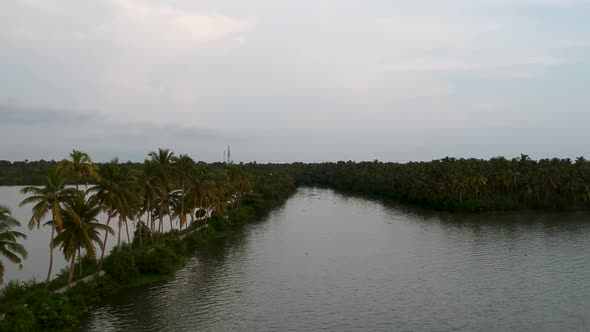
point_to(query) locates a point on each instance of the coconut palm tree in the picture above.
(114, 194)
(126, 211)
(180, 208)
(81, 229)
(240, 182)
(146, 191)
(48, 199)
(9, 247)
(183, 169)
(195, 193)
(215, 190)
(80, 167)
(164, 160)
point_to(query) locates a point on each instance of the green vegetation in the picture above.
(9, 246)
(23, 173)
(200, 201)
(80, 230)
(450, 184)
(471, 185)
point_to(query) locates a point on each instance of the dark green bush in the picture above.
(120, 266)
(146, 234)
(17, 291)
(105, 285)
(177, 245)
(242, 214)
(85, 294)
(54, 311)
(488, 205)
(506, 204)
(193, 239)
(219, 223)
(159, 260)
(18, 319)
(196, 236)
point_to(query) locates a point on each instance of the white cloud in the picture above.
(124, 43)
(152, 36)
(167, 30)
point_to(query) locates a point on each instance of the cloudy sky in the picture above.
(295, 80)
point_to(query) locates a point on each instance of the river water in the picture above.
(325, 261)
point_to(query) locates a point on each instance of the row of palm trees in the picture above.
(49, 200)
(164, 186)
(449, 183)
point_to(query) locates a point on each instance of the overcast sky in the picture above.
(295, 80)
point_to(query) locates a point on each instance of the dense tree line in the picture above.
(475, 185)
(22, 173)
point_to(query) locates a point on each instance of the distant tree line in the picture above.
(450, 184)
(20, 173)
(474, 185)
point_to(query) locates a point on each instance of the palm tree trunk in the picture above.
(128, 239)
(120, 224)
(181, 204)
(161, 220)
(201, 207)
(195, 209)
(72, 265)
(160, 224)
(150, 217)
(50, 254)
(151, 222)
(139, 227)
(147, 223)
(104, 244)
(80, 261)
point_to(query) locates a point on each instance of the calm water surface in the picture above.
(330, 262)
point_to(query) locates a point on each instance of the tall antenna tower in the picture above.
(228, 156)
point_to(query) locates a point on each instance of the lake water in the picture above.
(330, 262)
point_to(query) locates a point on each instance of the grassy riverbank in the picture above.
(29, 306)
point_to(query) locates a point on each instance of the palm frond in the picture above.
(12, 257)
(15, 247)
